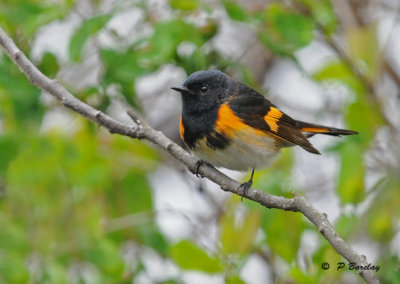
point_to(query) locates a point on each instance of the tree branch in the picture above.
(354, 18)
(143, 131)
(371, 91)
(355, 7)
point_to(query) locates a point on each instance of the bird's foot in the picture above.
(199, 163)
(246, 185)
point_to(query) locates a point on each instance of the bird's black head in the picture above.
(204, 90)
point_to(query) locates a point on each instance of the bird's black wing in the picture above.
(258, 112)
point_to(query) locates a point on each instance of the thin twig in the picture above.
(351, 64)
(295, 204)
(371, 90)
(354, 9)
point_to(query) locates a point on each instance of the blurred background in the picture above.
(79, 205)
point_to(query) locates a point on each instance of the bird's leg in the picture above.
(246, 185)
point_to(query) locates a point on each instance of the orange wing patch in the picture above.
(233, 127)
(227, 122)
(314, 130)
(181, 128)
(272, 118)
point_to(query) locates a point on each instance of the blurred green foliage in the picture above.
(285, 31)
(188, 256)
(88, 28)
(63, 193)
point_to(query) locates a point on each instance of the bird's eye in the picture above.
(204, 89)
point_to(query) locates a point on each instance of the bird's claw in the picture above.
(198, 164)
(244, 187)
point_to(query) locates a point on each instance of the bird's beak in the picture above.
(183, 90)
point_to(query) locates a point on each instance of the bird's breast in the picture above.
(246, 149)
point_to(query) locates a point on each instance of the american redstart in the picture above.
(228, 124)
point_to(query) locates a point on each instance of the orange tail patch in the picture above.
(314, 129)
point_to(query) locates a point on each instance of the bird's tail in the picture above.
(311, 129)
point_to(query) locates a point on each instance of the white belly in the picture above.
(241, 154)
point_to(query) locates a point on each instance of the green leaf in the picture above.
(184, 5)
(19, 100)
(300, 277)
(285, 31)
(380, 225)
(13, 269)
(190, 257)
(88, 28)
(136, 192)
(22, 18)
(338, 72)
(238, 238)
(13, 237)
(277, 178)
(167, 36)
(150, 236)
(207, 31)
(123, 68)
(198, 60)
(283, 232)
(171, 281)
(234, 280)
(389, 271)
(324, 14)
(234, 10)
(149, 54)
(384, 211)
(326, 253)
(54, 273)
(33, 185)
(364, 117)
(347, 225)
(364, 47)
(49, 65)
(351, 177)
(106, 255)
(8, 149)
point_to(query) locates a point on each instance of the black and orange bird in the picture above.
(228, 124)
